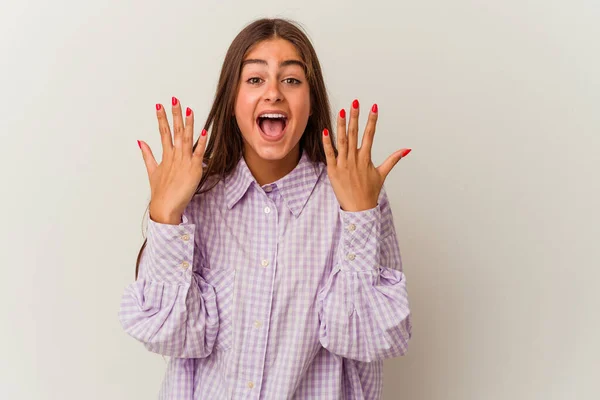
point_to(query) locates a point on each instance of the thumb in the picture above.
(149, 159)
(385, 168)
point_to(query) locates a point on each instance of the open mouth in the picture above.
(272, 126)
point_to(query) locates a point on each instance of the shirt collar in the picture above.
(295, 188)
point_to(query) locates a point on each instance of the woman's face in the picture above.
(273, 81)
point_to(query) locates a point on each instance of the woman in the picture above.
(271, 268)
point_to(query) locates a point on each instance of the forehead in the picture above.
(274, 51)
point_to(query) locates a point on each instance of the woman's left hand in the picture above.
(355, 180)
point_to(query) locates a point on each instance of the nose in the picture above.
(272, 91)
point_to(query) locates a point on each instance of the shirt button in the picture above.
(351, 256)
(268, 189)
(267, 210)
(185, 265)
(351, 227)
(264, 263)
(185, 237)
(250, 384)
(257, 324)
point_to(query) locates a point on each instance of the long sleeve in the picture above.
(170, 308)
(363, 308)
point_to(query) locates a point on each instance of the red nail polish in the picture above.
(174, 101)
(325, 132)
(188, 111)
(355, 104)
(405, 153)
(139, 144)
(374, 108)
(203, 132)
(158, 107)
(342, 113)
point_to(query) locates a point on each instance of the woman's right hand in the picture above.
(174, 181)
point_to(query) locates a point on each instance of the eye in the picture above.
(256, 80)
(294, 81)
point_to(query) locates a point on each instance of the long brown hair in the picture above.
(225, 145)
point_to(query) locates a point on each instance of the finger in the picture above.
(342, 139)
(177, 124)
(149, 159)
(367, 139)
(329, 151)
(201, 146)
(165, 131)
(353, 131)
(188, 133)
(385, 168)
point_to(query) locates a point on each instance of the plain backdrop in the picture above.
(496, 208)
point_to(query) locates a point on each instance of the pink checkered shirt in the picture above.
(271, 292)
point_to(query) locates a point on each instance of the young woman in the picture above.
(271, 268)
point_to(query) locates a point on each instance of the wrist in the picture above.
(171, 219)
(358, 207)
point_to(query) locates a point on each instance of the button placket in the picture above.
(258, 322)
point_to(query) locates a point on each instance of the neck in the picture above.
(269, 171)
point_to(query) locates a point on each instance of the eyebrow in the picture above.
(281, 64)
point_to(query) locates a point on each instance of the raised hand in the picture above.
(355, 180)
(174, 181)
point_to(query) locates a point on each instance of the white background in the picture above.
(496, 207)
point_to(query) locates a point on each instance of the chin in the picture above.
(272, 154)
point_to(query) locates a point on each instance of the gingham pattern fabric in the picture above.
(271, 292)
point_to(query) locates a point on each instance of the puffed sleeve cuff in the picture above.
(171, 251)
(360, 240)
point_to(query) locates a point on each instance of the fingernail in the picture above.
(203, 132)
(158, 107)
(342, 113)
(139, 144)
(325, 132)
(174, 101)
(405, 153)
(188, 111)
(374, 108)
(355, 104)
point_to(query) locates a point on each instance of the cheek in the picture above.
(305, 104)
(244, 99)
(303, 109)
(244, 110)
